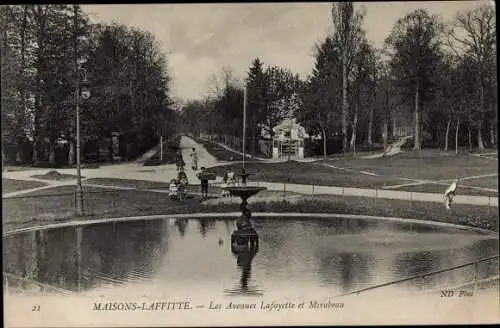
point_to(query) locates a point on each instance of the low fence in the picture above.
(426, 279)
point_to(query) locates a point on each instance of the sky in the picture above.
(200, 39)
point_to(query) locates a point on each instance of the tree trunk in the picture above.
(344, 102)
(386, 132)
(71, 153)
(447, 135)
(470, 138)
(456, 136)
(417, 119)
(324, 141)
(370, 126)
(23, 82)
(354, 127)
(492, 133)
(394, 127)
(254, 134)
(52, 153)
(480, 143)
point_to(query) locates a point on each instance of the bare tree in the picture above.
(474, 34)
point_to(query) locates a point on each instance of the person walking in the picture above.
(194, 159)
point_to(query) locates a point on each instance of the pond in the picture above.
(192, 256)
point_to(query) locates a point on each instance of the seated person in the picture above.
(173, 188)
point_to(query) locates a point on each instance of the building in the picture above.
(288, 139)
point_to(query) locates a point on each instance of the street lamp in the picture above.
(81, 90)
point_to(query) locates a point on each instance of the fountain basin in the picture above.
(244, 192)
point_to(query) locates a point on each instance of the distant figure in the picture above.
(173, 189)
(449, 194)
(225, 180)
(194, 159)
(203, 182)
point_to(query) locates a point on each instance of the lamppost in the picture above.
(80, 77)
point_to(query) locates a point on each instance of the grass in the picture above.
(470, 215)
(220, 153)
(139, 184)
(58, 205)
(11, 185)
(170, 149)
(305, 173)
(431, 165)
(54, 175)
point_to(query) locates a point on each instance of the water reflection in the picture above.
(181, 225)
(341, 255)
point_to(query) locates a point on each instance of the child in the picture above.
(194, 157)
(173, 189)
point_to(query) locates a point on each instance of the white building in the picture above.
(289, 139)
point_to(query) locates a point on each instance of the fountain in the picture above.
(243, 191)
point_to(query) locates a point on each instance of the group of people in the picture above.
(229, 180)
(178, 185)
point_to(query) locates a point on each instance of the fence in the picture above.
(425, 276)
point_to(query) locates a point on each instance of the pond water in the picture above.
(193, 256)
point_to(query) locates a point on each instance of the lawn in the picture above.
(170, 149)
(306, 173)
(58, 205)
(470, 215)
(139, 184)
(11, 185)
(220, 153)
(431, 164)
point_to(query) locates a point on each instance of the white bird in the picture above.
(449, 194)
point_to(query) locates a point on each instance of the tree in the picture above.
(363, 73)
(321, 92)
(257, 86)
(348, 32)
(474, 35)
(414, 43)
(282, 95)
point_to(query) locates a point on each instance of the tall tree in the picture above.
(256, 99)
(474, 35)
(414, 43)
(321, 92)
(348, 31)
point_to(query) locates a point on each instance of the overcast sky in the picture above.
(200, 39)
